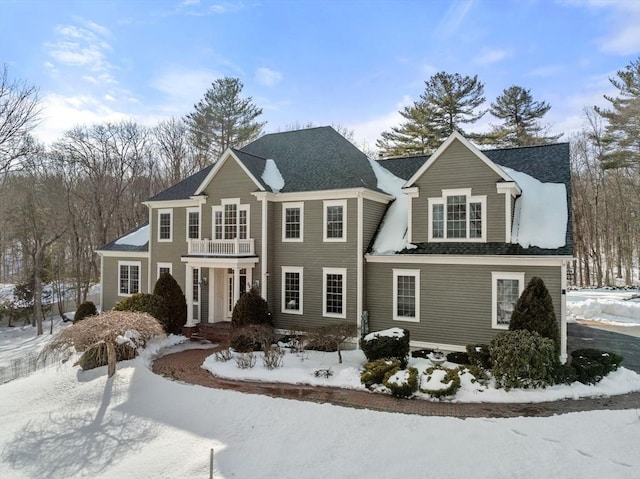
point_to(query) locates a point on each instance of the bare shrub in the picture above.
(113, 328)
(273, 357)
(245, 360)
(331, 337)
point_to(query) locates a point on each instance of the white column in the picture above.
(236, 285)
(189, 295)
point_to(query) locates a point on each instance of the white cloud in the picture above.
(490, 56)
(268, 77)
(368, 131)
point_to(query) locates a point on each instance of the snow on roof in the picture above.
(541, 213)
(272, 177)
(139, 237)
(392, 236)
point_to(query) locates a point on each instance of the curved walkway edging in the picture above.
(185, 366)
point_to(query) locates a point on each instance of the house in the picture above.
(441, 245)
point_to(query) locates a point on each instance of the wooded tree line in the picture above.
(62, 202)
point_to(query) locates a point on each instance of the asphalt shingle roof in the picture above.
(185, 189)
(113, 246)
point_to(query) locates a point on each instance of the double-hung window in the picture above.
(128, 277)
(457, 216)
(292, 222)
(406, 295)
(164, 268)
(335, 220)
(165, 225)
(334, 300)
(193, 223)
(505, 291)
(292, 286)
(231, 220)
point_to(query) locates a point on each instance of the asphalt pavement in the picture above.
(581, 336)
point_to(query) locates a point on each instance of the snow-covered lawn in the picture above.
(60, 422)
(612, 307)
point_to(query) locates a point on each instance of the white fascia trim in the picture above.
(123, 254)
(204, 262)
(194, 209)
(343, 272)
(175, 203)
(485, 260)
(495, 276)
(164, 211)
(366, 193)
(223, 159)
(326, 204)
(285, 206)
(411, 191)
(508, 187)
(300, 271)
(457, 136)
(406, 272)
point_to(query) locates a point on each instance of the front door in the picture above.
(230, 290)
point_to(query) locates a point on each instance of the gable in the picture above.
(235, 165)
(229, 180)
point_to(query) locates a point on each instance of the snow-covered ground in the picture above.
(60, 422)
(615, 307)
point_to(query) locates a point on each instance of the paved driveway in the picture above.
(580, 336)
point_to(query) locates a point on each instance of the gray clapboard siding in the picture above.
(455, 300)
(110, 277)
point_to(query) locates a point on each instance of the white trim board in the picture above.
(486, 260)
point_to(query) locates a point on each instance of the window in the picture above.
(196, 286)
(128, 277)
(457, 216)
(231, 220)
(165, 220)
(506, 289)
(193, 223)
(292, 221)
(335, 220)
(292, 290)
(164, 268)
(406, 295)
(334, 298)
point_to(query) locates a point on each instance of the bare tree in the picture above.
(19, 114)
(174, 152)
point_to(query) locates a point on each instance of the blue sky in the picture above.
(352, 63)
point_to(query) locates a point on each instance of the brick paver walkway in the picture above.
(185, 366)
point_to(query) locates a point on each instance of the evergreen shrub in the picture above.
(154, 305)
(479, 355)
(251, 308)
(403, 383)
(375, 371)
(522, 359)
(591, 365)
(168, 288)
(252, 337)
(564, 374)
(450, 382)
(458, 357)
(85, 310)
(421, 353)
(534, 312)
(389, 343)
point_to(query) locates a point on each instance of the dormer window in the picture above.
(457, 216)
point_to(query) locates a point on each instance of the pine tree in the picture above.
(521, 117)
(448, 102)
(534, 312)
(223, 119)
(169, 289)
(622, 135)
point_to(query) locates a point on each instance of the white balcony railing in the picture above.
(232, 247)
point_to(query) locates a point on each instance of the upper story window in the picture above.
(231, 220)
(335, 220)
(165, 225)
(458, 216)
(193, 223)
(292, 221)
(128, 277)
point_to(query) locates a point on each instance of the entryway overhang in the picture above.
(220, 262)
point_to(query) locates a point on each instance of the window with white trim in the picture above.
(231, 220)
(292, 286)
(505, 290)
(292, 222)
(193, 223)
(458, 216)
(165, 225)
(406, 295)
(164, 268)
(335, 220)
(128, 277)
(334, 300)
(196, 286)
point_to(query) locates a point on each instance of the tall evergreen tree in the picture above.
(521, 117)
(223, 119)
(622, 135)
(448, 102)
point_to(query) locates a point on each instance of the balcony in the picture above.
(232, 247)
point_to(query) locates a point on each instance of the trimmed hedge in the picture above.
(375, 371)
(389, 343)
(85, 310)
(403, 383)
(591, 365)
(457, 357)
(168, 288)
(522, 359)
(151, 304)
(251, 308)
